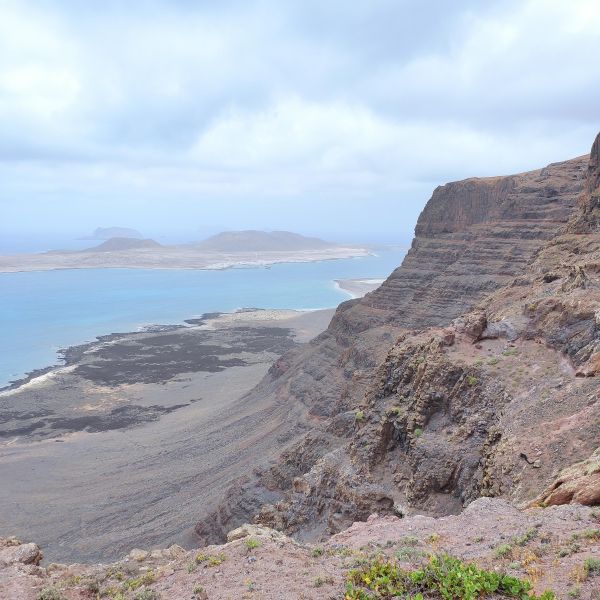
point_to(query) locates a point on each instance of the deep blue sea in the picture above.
(44, 311)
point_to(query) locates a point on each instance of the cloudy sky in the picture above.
(336, 118)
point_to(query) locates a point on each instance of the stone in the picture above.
(248, 530)
(176, 551)
(577, 484)
(139, 555)
(26, 554)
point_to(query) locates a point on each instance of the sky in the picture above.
(182, 118)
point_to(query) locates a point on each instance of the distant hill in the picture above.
(260, 241)
(119, 243)
(106, 233)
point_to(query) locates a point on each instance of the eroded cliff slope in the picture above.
(457, 377)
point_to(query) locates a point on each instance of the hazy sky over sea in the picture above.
(326, 117)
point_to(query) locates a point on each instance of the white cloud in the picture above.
(266, 99)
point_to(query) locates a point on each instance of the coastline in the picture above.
(170, 259)
(357, 288)
(296, 318)
(132, 406)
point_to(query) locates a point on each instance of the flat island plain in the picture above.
(129, 442)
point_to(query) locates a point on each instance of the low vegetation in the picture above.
(50, 593)
(592, 566)
(211, 560)
(443, 577)
(503, 551)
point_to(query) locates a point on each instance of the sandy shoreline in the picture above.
(357, 288)
(152, 427)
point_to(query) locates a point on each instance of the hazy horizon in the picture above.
(182, 119)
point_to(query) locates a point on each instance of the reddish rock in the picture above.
(579, 483)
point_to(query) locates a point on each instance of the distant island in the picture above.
(117, 244)
(225, 250)
(106, 233)
(261, 241)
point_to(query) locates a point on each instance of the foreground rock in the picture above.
(549, 547)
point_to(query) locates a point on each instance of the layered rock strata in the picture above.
(461, 376)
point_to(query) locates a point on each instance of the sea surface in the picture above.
(42, 312)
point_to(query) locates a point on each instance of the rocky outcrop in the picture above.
(579, 483)
(550, 547)
(411, 360)
(588, 219)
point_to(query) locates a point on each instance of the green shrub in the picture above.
(418, 432)
(524, 539)
(444, 577)
(510, 352)
(591, 534)
(252, 543)
(50, 593)
(147, 595)
(471, 380)
(410, 540)
(212, 560)
(592, 566)
(503, 550)
(408, 553)
(138, 582)
(359, 415)
(319, 581)
(316, 552)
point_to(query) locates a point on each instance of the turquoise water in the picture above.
(42, 312)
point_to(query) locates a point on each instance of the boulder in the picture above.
(577, 484)
(25, 554)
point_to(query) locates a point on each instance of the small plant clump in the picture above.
(471, 380)
(510, 352)
(252, 543)
(316, 552)
(524, 539)
(408, 553)
(591, 566)
(359, 415)
(320, 581)
(193, 566)
(418, 432)
(211, 560)
(410, 540)
(444, 577)
(50, 593)
(138, 582)
(199, 592)
(503, 550)
(593, 535)
(147, 595)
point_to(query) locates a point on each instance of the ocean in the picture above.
(42, 312)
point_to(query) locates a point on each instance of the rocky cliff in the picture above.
(457, 378)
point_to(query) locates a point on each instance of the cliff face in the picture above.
(588, 219)
(430, 400)
(498, 400)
